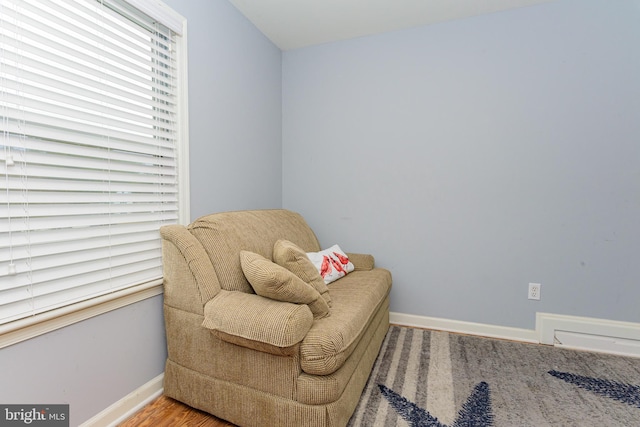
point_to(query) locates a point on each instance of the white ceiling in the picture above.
(292, 24)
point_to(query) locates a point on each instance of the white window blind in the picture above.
(88, 134)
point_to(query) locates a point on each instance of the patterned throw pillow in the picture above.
(272, 281)
(331, 263)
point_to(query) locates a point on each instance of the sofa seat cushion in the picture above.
(330, 341)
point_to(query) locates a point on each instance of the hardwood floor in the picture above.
(166, 412)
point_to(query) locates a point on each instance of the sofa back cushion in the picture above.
(224, 235)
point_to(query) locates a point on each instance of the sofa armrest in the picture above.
(188, 274)
(361, 261)
(256, 322)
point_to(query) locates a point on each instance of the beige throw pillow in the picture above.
(290, 256)
(275, 282)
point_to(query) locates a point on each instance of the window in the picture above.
(93, 147)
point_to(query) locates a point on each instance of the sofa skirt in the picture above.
(245, 406)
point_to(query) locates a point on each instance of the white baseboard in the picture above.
(461, 327)
(578, 333)
(585, 333)
(128, 405)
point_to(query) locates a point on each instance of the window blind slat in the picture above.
(94, 111)
(53, 75)
(87, 36)
(96, 149)
(84, 209)
(143, 166)
(80, 245)
(29, 117)
(74, 263)
(76, 44)
(90, 24)
(89, 117)
(25, 77)
(82, 290)
(78, 235)
(18, 186)
(56, 63)
(162, 147)
(69, 197)
(46, 99)
(59, 280)
(44, 171)
(52, 222)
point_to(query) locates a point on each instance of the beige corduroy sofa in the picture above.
(256, 361)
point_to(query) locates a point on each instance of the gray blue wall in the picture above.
(89, 365)
(475, 156)
(235, 141)
(471, 157)
(235, 110)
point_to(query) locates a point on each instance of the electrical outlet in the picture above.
(534, 291)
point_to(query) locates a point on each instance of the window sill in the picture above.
(24, 329)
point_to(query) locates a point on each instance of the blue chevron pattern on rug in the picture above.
(476, 411)
(626, 393)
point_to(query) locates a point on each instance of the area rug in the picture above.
(430, 378)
